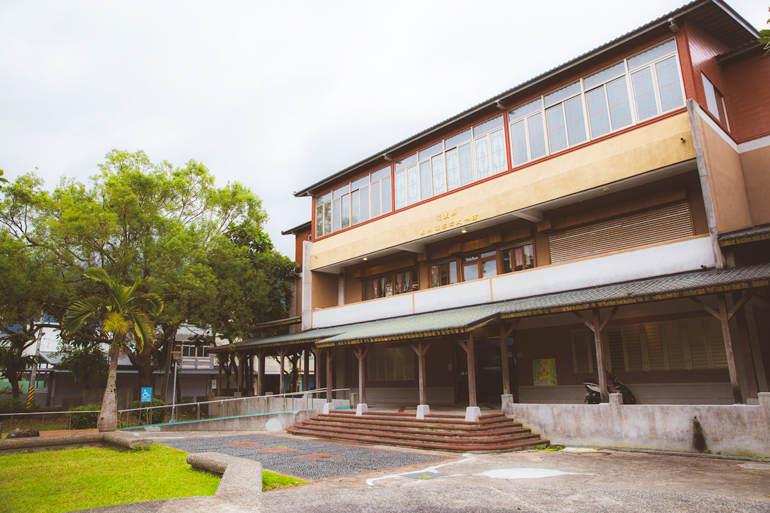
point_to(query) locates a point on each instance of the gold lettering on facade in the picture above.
(451, 224)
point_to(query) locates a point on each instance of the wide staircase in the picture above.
(490, 433)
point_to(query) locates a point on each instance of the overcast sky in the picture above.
(275, 95)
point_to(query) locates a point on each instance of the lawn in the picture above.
(93, 477)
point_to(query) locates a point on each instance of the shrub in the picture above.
(12, 405)
(157, 415)
(187, 399)
(85, 420)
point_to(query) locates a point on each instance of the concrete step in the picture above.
(510, 445)
(394, 420)
(513, 428)
(383, 435)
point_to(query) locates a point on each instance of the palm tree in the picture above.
(123, 314)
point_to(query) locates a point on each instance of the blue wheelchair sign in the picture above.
(146, 394)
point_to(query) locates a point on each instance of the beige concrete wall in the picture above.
(728, 188)
(325, 290)
(637, 151)
(756, 173)
(731, 429)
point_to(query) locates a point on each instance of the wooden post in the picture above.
(471, 369)
(601, 370)
(261, 370)
(597, 328)
(504, 334)
(306, 370)
(361, 353)
(748, 358)
(240, 374)
(282, 359)
(219, 377)
(329, 381)
(725, 320)
(421, 348)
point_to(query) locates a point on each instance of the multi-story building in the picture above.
(610, 213)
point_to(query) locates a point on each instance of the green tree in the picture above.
(121, 313)
(86, 361)
(2, 180)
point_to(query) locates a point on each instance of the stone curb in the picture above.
(47, 443)
(241, 478)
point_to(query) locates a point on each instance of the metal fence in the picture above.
(44, 419)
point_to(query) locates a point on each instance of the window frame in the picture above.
(510, 248)
(393, 275)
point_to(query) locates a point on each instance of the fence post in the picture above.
(198, 407)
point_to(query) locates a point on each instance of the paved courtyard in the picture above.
(307, 459)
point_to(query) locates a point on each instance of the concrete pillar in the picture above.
(306, 370)
(307, 286)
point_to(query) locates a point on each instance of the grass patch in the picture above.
(549, 448)
(275, 481)
(92, 477)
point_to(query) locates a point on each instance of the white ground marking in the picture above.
(468, 457)
(526, 473)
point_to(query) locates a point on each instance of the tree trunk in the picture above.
(108, 418)
(15, 389)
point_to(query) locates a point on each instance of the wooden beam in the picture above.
(329, 381)
(471, 372)
(462, 344)
(360, 353)
(601, 370)
(306, 370)
(609, 317)
(729, 348)
(586, 322)
(741, 301)
(706, 307)
(743, 338)
(261, 372)
(282, 358)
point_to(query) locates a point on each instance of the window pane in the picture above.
(439, 180)
(435, 276)
(557, 133)
(346, 210)
(525, 110)
(576, 127)
(471, 272)
(620, 109)
(399, 283)
(364, 211)
(605, 75)
(499, 162)
(536, 136)
(668, 84)
(518, 143)
(597, 112)
(415, 283)
(386, 201)
(482, 157)
(376, 288)
(425, 180)
(472, 258)
(407, 280)
(644, 97)
(487, 126)
(507, 261)
(388, 285)
(453, 272)
(452, 169)
(408, 161)
(561, 94)
(319, 221)
(412, 186)
(327, 218)
(489, 254)
(355, 207)
(651, 54)
(376, 198)
(444, 276)
(382, 173)
(489, 268)
(401, 190)
(367, 290)
(518, 258)
(430, 151)
(466, 164)
(458, 139)
(359, 183)
(529, 257)
(337, 214)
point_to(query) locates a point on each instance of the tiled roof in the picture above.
(290, 339)
(742, 236)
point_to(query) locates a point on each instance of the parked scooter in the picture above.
(593, 393)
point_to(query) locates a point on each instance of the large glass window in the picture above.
(518, 258)
(482, 265)
(655, 81)
(443, 274)
(564, 114)
(489, 146)
(354, 203)
(715, 101)
(390, 284)
(607, 105)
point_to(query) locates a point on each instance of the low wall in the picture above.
(645, 393)
(737, 429)
(258, 405)
(256, 422)
(76, 441)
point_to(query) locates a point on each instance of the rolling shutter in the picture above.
(649, 227)
(698, 342)
(617, 356)
(716, 344)
(583, 352)
(656, 355)
(389, 364)
(674, 346)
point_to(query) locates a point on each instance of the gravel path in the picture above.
(303, 458)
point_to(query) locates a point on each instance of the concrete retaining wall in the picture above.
(737, 429)
(258, 405)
